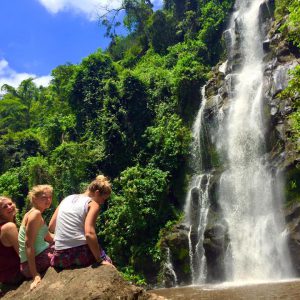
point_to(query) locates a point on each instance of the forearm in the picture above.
(95, 248)
(30, 252)
(49, 237)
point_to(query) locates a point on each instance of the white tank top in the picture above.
(69, 229)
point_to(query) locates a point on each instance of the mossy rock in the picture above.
(292, 186)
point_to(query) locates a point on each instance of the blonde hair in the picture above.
(101, 184)
(38, 190)
(2, 198)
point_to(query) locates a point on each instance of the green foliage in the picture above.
(114, 128)
(17, 147)
(162, 31)
(11, 186)
(168, 143)
(130, 275)
(70, 164)
(120, 46)
(37, 171)
(213, 15)
(292, 186)
(295, 124)
(136, 214)
(293, 92)
(135, 101)
(61, 83)
(12, 114)
(152, 71)
(86, 97)
(190, 74)
(26, 94)
(291, 26)
(59, 128)
(137, 14)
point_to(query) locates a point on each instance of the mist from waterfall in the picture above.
(247, 193)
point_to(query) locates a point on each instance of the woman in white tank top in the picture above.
(74, 221)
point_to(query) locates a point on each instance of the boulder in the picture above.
(177, 241)
(215, 245)
(293, 238)
(103, 282)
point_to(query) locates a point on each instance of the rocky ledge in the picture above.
(103, 282)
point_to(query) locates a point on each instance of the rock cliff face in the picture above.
(87, 283)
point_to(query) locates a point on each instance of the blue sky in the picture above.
(38, 35)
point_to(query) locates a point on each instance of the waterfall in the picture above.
(169, 269)
(197, 202)
(247, 191)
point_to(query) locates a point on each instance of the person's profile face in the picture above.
(100, 198)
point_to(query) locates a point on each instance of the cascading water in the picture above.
(169, 269)
(249, 194)
(197, 203)
(246, 192)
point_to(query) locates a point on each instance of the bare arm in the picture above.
(32, 227)
(49, 237)
(9, 236)
(89, 229)
(52, 223)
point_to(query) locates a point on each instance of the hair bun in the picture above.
(101, 178)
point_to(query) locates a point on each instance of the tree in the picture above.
(162, 31)
(12, 114)
(86, 97)
(17, 147)
(135, 216)
(26, 93)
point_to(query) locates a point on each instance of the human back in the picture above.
(74, 221)
(69, 231)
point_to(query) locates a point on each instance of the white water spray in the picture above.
(197, 202)
(247, 191)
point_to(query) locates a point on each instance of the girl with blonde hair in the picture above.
(9, 246)
(34, 237)
(76, 243)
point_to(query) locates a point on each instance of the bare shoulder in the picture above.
(7, 227)
(34, 215)
(94, 205)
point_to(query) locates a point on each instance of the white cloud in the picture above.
(91, 8)
(11, 77)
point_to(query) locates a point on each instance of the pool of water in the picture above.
(287, 290)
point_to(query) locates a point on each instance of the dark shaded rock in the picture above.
(194, 213)
(266, 10)
(266, 45)
(177, 241)
(293, 225)
(215, 245)
(87, 283)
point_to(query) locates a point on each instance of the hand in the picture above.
(37, 280)
(105, 262)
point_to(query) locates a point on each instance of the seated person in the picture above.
(9, 246)
(74, 221)
(34, 237)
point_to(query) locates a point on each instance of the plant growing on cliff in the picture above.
(293, 92)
